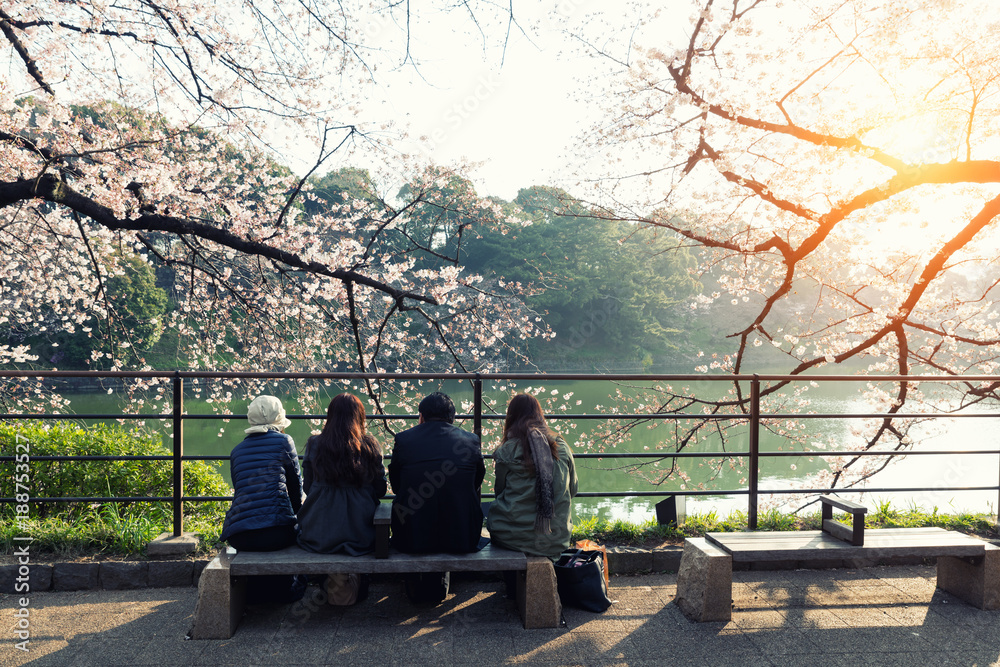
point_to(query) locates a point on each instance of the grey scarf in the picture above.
(541, 454)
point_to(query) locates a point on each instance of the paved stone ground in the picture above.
(877, 616)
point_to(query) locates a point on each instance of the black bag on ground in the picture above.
(580, 579)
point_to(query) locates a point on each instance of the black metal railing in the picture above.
(750, 414)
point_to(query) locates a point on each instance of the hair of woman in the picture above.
(524, 413)
(344, 453)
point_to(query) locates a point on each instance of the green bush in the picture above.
(54, 479)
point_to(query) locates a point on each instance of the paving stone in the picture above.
(169, 545)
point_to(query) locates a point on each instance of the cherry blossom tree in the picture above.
(143, 130)
(838, 163)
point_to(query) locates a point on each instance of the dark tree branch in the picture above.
(52, 189)
(7, 27)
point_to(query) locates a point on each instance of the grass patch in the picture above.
(696, 525)
(96, 528)
(103, 532)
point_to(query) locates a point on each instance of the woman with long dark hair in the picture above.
(535, 484)
(344, 480)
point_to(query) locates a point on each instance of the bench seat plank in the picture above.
(294, 560)
(815, 544)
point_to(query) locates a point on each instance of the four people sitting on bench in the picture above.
(436, 473)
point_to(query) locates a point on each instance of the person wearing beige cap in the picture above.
(267, 483)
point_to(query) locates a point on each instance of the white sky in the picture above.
(518, 121)
(521, 119)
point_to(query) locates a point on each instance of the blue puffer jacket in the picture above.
(266, 481)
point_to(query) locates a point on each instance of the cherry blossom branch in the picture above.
(50, 188)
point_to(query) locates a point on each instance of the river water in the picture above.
(567, 401)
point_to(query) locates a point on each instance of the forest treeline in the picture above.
(610, 291)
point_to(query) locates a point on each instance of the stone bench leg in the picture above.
(705, 582)
(537, 596)
(977, 582)
(221, 599)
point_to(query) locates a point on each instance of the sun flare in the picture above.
(916, 139)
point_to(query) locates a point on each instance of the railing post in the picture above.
(753, 477)
(477, 409)
(178, 503)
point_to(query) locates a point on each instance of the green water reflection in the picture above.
(563, 399)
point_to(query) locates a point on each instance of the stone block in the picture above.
(39, 578)
(9, 575)
(221, 599)
(168, 545)
(75, 576)
(124, 575)
(667, 559)
(977, 581)
(538, 596)
(705, 582)
(629, 560)
(165, 573)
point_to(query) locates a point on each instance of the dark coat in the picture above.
(267, 485)
(436, 473)
(338, 517)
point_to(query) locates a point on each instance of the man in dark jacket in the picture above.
(436, 473)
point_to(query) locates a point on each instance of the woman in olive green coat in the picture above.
(535, 484)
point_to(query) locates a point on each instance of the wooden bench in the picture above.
(966, 566)
(222, 586)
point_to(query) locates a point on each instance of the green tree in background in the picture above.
(340, 187)
(127, 320)
(607, 288)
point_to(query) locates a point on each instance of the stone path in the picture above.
(875, 616)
